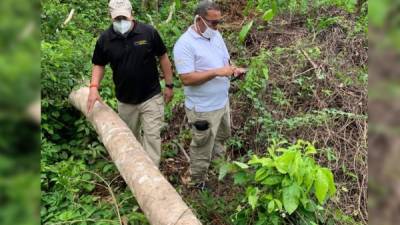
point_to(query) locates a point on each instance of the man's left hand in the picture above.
(168, 94)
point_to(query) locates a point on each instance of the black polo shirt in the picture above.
(132, 60)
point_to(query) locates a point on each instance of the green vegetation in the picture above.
(307, 80)
(283, 183)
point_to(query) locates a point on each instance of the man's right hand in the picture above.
(225, 71)
(93, 97)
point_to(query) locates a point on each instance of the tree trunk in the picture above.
(159, 201)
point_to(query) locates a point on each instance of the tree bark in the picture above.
(159, 201)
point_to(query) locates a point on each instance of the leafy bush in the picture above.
(71, 151)
(286, 181)
(256, 79)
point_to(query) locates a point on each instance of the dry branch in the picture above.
(182, 150)
(69, 18)
(315, 65)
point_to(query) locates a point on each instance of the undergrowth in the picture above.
(307, 81)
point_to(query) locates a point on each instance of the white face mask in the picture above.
(209, 32)
(122, 26)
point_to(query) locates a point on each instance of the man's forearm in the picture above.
(97, 75)
(166, 68)
(197, 78)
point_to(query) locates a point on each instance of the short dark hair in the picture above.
(205, 5)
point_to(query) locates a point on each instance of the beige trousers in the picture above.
(149, 118)
(207, 144)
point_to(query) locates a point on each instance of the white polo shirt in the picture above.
(194, 53)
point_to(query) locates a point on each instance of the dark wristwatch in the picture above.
(170, 86)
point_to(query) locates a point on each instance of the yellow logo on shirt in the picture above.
(141, 42)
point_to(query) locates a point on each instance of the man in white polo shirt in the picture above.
(202, 61)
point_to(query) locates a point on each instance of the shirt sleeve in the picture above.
(184, 58)
(226, 52)
(159, 48)
(99, 56)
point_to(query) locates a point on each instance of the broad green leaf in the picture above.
(321, 185)
(286, 181)
(268, 197)
(241, 165)
(68, 215)
(331, 182)
(291, 196)
(108, 167)
(310, 149)
(268, 15)
(240, 178)
(254, 160)
(271, 151)
(278, 204)
(307, 203)
(272, 180)
(295, 165)
(271, 206)
(284, 162)
(252, 195)
(253, 201)
(309, 176)
(261, 174)
(263, 161)
(245, 30)
(223, 170)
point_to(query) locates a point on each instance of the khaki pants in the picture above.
(209, 143)
(149, 116)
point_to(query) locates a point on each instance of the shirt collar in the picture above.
(137, 29)
(194, 33)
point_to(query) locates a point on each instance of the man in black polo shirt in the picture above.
(131, 48)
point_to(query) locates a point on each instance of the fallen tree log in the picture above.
(159, 201)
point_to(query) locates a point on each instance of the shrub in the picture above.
(284, 182)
